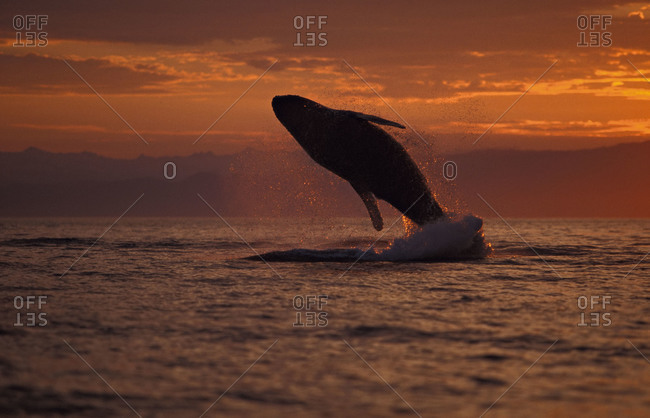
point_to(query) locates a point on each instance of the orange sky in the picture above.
(170, 69)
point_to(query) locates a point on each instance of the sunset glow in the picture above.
(450, 72)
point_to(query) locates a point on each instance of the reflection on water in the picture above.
(171, 314)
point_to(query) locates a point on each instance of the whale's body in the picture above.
(351, 145)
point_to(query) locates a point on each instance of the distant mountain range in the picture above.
(602, 182)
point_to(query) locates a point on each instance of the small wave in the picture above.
(444, 240)
(173, 244)
(46, 242)
(307, 255)
(534, 251)
(164, 244)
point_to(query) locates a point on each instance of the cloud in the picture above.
(33, 74)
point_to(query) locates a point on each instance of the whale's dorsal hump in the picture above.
(376, 119)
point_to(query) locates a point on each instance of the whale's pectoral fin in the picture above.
(371, 204)
(376, 119)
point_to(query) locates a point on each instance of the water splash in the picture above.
(453, 238)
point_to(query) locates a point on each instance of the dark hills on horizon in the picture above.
(601, 182)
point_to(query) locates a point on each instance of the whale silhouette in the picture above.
(352, 146)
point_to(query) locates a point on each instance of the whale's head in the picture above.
(298, 114)
(288, 107)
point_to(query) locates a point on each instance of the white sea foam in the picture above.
(445, 239)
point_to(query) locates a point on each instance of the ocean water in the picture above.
(172, 318)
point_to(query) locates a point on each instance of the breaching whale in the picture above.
(352, 146)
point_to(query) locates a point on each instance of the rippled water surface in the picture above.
(168, 318)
